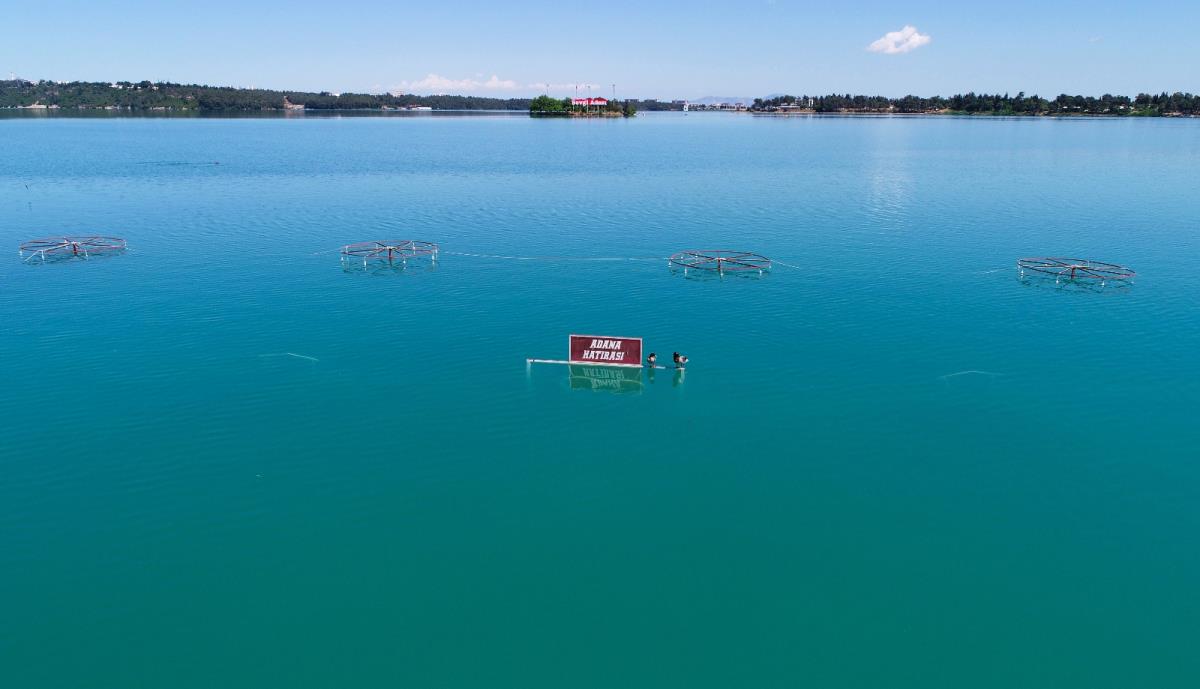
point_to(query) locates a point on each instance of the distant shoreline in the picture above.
(147, 97)
(1176, 104)
(960, 114)
(19, 114)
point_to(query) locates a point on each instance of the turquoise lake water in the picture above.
(890, 463)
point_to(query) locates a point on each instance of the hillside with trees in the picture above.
(149, 96)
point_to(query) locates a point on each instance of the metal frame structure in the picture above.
(720, 261)
(390, 251)
(59, 248)
(1076, 269)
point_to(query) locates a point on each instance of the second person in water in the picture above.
(679, 359)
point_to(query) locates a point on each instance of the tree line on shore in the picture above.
(1144, 104)
(146, 95)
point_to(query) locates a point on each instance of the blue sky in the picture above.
(648, 49)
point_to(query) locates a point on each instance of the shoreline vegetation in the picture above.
(146, 96)
(165, 96)
(1143, 105)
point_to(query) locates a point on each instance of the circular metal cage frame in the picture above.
(57, 248)
(720, 261)
(1073, 269)
(390, 250)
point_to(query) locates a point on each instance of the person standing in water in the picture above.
(680, 363)
(651, 360)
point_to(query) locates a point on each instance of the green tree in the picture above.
(545, 105)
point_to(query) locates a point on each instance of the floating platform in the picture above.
(390, 251)
(62, 248)
(720, 261)
(1074, 269)
(583, 363)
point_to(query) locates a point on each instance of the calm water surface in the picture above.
(890, 464)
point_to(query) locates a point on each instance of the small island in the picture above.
(545, 106)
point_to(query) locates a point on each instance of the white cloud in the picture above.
(902, 41)
(436, 83)
(497, 83)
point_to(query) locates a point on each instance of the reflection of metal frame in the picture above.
(1094, 286)
(605, 378)
(62, 248)
(385, 267)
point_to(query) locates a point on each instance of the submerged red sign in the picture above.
(603, 350)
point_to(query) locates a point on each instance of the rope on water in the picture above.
(503, 257)
(785, 265)
(298, 356)
(556, 258)
(971, 372)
